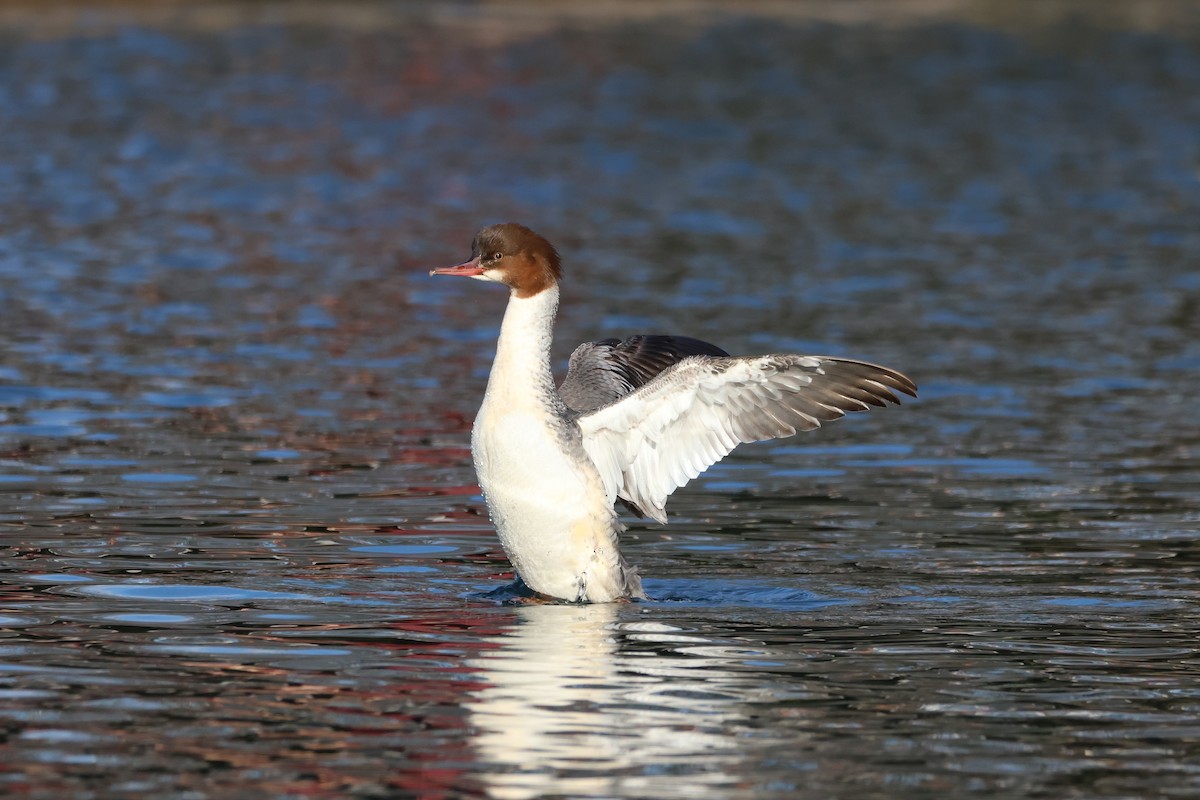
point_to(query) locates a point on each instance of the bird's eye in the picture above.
(496, 256)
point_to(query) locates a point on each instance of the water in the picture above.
(241, 547)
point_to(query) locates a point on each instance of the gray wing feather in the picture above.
(602, 372)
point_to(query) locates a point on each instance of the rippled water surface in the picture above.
(242, 552)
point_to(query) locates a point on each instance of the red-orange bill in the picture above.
(467, 269)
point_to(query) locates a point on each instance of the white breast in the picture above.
(550, 512)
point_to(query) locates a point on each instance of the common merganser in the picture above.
(633, 420)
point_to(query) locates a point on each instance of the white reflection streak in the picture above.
(565, 713)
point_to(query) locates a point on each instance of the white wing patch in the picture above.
(651, 442)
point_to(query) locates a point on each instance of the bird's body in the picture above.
(546, 498)
(633, 420)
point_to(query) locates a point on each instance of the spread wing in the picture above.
(602, 372)
(692, 415)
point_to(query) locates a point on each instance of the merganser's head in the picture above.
(511, 254)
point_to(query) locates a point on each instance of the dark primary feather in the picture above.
(602, 372)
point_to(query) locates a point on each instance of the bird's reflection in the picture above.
(571, 711)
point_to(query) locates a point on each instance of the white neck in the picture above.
(522, 363)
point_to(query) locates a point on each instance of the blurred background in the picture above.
(241, 544)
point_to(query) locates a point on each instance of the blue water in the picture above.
(242, 552)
